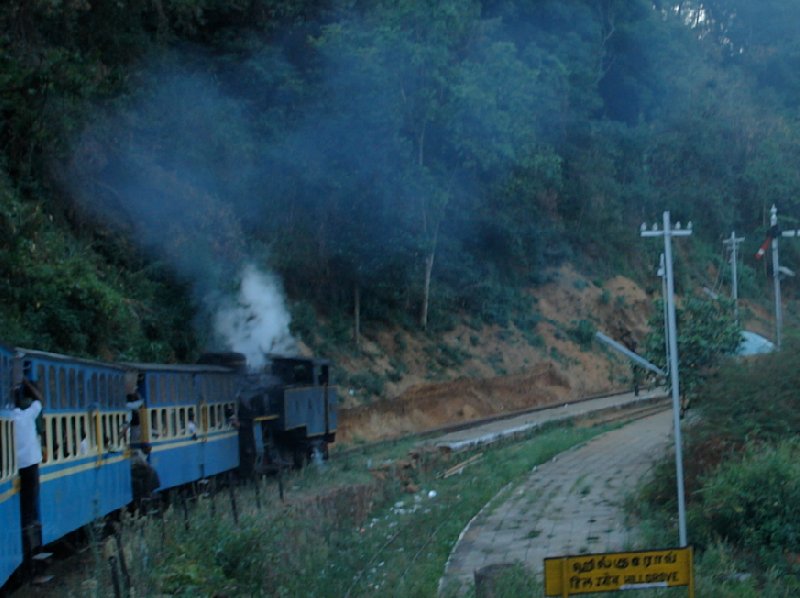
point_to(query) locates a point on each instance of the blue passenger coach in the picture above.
(188, 420)
(10, 526)
(10, 532)
(85, 471)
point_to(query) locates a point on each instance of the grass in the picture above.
(340, 532)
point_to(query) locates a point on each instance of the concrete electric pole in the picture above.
(776, 277)
(734, 244)
(662, 272)
(668, 232)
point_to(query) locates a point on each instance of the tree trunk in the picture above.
(357, 314)
(423, 318)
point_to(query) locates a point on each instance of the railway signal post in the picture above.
(777, 270)
(668, 232)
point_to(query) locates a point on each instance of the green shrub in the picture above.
(582, 333)
(754, 504)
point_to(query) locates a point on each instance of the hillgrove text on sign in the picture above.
(586, 573)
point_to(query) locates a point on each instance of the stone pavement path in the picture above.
(570, 505)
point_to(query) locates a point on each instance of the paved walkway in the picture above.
(570, 505)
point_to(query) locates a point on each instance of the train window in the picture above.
(173, 423)
(53, 445)
(119, 422)
(69, 436)
(114, 426)
(182, 421)
(83, 442)
(102, 440)
(107, 434)
(164, 429)
(212, 417)
(230, 413)
(153, 423)
(11, 455)
(4, 434)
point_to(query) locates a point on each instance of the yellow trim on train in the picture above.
(167, 446)
(10, 492)
(264, 418)
(61, 473)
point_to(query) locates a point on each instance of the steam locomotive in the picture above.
(196, 421)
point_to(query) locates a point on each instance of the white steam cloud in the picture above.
(257, 321)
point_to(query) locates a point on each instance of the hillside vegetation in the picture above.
(352, 176)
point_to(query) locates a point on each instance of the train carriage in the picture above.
(200, 420)
(187, 419)
(85, 470)
(10, 526)
(304, 404)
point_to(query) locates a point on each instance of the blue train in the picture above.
(196, 421)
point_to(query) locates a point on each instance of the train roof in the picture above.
(315, 360)
(45, 355)
(190, 368)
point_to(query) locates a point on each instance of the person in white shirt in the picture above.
(133, 402)
(191, 427)
(29, 456)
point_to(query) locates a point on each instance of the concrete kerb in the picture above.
(541, 419)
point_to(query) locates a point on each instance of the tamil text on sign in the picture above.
(582, 574)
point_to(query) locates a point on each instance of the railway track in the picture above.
(590, 410)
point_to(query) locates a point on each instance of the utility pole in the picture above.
(662, 272)
(668, 232)
(734, 243)
(776, 277)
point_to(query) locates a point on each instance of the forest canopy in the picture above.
(383, 160)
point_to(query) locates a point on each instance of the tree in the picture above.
(707, 332)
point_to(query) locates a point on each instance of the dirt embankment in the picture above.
(430, 405)
(502, 369)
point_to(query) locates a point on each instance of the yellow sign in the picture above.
(610, 572)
